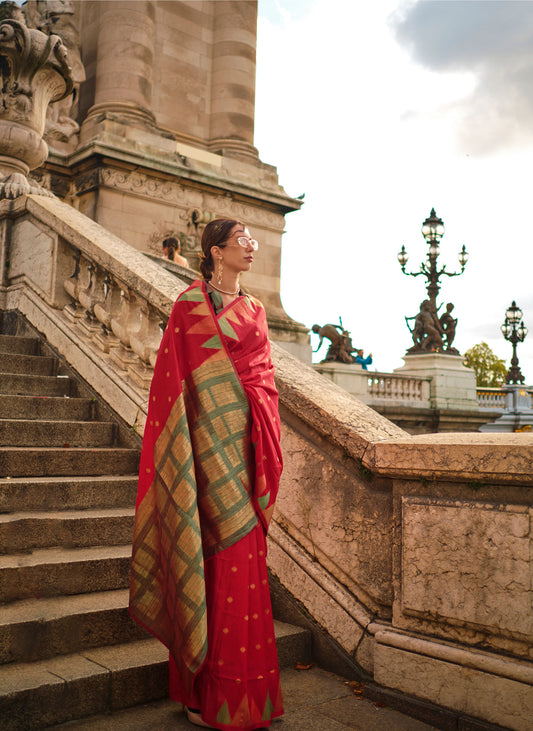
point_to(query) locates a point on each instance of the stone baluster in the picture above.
(104, 312)
(145, 342)
(126, 325)
(74, 311)
(89, 296)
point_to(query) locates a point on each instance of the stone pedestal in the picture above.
(518, 415)
(453, 385)
(350, 376)
(34, 71)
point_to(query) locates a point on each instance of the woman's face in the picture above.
(235, 257)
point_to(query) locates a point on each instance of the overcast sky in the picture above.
(379, 111)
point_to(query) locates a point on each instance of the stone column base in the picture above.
(350, 376)
(480, 684)
(453, 385)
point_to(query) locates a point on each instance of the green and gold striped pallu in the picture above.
(195, 480)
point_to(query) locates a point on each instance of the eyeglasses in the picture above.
(244, 242)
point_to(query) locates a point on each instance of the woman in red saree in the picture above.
(209, 475)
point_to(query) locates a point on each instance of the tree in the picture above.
(490, 370)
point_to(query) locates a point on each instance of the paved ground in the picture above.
(314, 700)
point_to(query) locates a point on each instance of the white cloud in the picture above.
(371, 137)
(493, 41)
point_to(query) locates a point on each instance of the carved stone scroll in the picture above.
(33, 72)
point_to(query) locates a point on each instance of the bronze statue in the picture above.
(427, 330)
(341, 348)
(448, 325)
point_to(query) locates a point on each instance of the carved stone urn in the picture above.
(34, 71)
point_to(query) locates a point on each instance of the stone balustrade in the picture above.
(117, 319)
(390, 386)
(494, 398)
(491, 398)
(374, 388)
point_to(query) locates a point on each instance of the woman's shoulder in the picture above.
(195, 291)
(254, 301)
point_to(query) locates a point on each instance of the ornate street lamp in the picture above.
(514, 330)
(433, 231)
(431, 333)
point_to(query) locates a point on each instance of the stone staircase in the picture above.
(68, 647)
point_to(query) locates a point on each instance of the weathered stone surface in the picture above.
(468, 563)
(325, 609)
(481, 457)
(479, 569)
(343, 521)
(457, 685)
(36, 257)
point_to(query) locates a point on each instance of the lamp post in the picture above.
(432, 231)
(514, 330)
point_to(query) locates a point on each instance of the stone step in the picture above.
(28, 385)
(40, 694)
(19, 344)
(19, 494)
(37, 629)
(103, 680)
(35, 365)
(22, 532)
(50, 572)
(49, 461)
(313, 700)
(34, 433)
(57, 408)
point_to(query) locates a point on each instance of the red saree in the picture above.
(209, 475)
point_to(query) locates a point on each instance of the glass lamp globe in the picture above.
(522, 332)
(403, 256)
(463, 257)
(506, 330)
(514, 313)
(433, 227)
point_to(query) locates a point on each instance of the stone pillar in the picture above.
(233, 79)
(124, 61)
(453, 385)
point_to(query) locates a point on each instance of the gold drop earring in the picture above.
(220, 269)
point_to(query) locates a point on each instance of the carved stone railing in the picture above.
(375, 388)
(109, 303)
(494, 398)
(390, 386)
(491, 398)
(118, 320)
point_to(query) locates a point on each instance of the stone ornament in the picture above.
(33, 72)
(58, 16)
